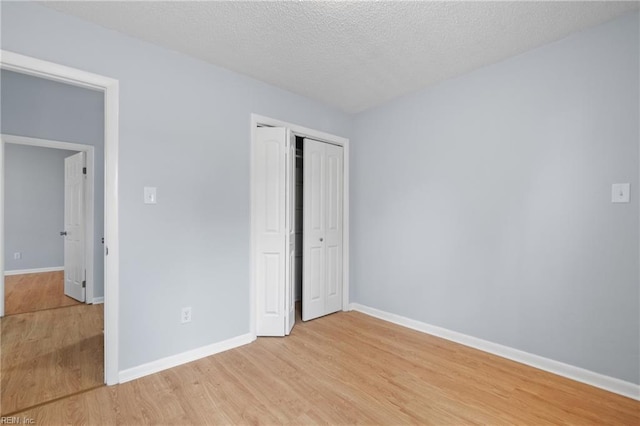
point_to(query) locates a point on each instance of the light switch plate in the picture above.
(150, 195)
(620, 192)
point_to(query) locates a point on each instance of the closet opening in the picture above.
(299, 229)
(299, 225)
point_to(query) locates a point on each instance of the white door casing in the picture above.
(74, 226)
(323, 229)
(273, 180)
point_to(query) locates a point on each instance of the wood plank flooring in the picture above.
(346, 368)
(35, 292)
(50, 354)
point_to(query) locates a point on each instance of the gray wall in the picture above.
(44, 109)
(34, 206)
(184, 128)
(483, 205)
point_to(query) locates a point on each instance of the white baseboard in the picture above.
(621, 387)
(184, 357)
(98, 300)
(34, 271)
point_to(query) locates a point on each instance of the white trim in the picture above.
(184, 357)
(45, 143)
(51, 71)
(110, 87)
(33, 271)
(611, 384)
(89, 212)
(1, 228)
(345, 230)
(98, 300)
(257, 119)
(320, 136)
(89, 150)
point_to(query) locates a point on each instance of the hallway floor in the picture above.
(35, 292)
(49, 354)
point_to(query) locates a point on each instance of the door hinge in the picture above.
(84, 170)
(84, 284)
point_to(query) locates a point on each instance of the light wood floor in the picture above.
(35, 292)
(50, 354)
(346, 368)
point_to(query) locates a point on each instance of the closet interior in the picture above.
(298, 221)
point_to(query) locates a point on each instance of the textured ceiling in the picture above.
(352, 55)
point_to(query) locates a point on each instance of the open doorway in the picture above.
(299, 222)
(49, 196)
(49, 225)
(49, 201)
(109, 88)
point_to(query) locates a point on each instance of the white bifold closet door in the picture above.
(322, 229)
(274, 183)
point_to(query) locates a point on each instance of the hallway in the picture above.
(50, 354)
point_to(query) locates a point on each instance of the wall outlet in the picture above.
(150, 195)
(620, 193)
(17, 255)
(186, 315)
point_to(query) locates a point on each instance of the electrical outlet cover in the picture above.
(186, 315)
(150, 195)
(620, 192)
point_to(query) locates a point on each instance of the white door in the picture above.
(273, 180)
(290, 304)
(322, 223)
(74, 227)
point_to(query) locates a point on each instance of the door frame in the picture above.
(12, 61)
(259, 120)
(89, 241)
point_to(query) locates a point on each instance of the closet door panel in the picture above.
(322, 272)
(290, 302)
(270, 229)
(333, 228)
(313, 284)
